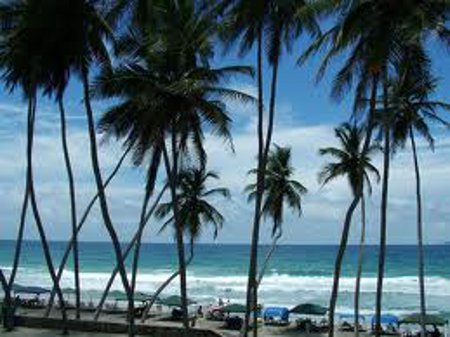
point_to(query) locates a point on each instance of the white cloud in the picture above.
(324, 208)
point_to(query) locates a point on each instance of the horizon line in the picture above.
(445, 243)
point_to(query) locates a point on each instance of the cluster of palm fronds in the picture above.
(154, 59)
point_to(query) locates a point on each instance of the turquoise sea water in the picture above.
(296, 273)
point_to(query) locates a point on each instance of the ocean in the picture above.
(296, 273)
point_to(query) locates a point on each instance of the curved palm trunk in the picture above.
(349, 215)
(73, 207)
(166, 283)
(269, 256)
(420, 254)
(360, 263)
(19, 240)
(101, 194)
(80, 225)
(125, 255)
(34, 207)
(172, 175)
(383, 222)
(17, 252)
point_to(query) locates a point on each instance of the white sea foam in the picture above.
(280, 283)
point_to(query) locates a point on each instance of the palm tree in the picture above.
(76, 32)
(195, 209)
(275, 24)
(370, 34)
(355, 164)
(279, 189)
(411, 107)
(20, 60)
(168, 93)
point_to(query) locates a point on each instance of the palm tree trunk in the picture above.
(420, 253)
(252, 273)
(251, 282)
(73, 207)
(349, 214)
(137, 248)
(17, 252)
(79, 226)
(6, 314)
(273, 91)
(125, 255)
(360, 263)
(19, 240)
(173, 182)
(166, 283)
(34, 207)
(101, 193)
(383, 217)
(268, 256)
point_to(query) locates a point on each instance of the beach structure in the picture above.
(276, 316)
(175, 301)
(389, 324)
(30, 290)
(309, 309)
(235, 308)
(430, 320)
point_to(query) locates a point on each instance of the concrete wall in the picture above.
(109, 327)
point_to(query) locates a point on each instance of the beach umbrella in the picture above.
(309, 309)
(20, 289)
(116, 294)
(429, 319)
(68, 291)
(138, 296)
(175, 301)
(386, 319)
(234, 308)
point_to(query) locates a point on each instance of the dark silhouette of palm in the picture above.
(195, 210)
(272, 26)
(168, 95)
(280, 190)
(353, 163)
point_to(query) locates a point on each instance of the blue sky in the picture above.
(305, 120)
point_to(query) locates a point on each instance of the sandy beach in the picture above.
(263, 332)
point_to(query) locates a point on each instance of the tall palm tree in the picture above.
(195, 211)
(168, 93)
(75, 38)
(368, 34)
(21, 63)
(354, 163)
(274, 24)
(280, 188)
(412, 109)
